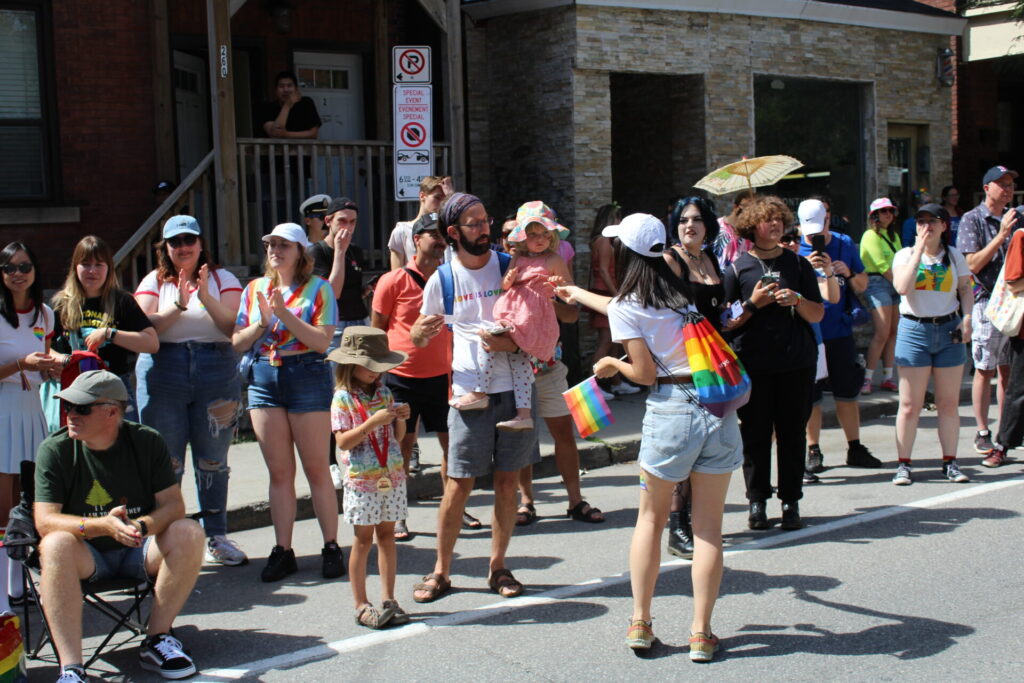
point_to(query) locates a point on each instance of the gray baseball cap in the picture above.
(93, 386)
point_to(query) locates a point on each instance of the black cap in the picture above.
(341, 204)
(995, 173)
(425, 223)
(935, 210)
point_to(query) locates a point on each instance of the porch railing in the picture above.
(194, 196)
(275, 176)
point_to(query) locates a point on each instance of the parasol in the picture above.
(746, 174)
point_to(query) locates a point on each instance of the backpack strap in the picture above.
(416, 277)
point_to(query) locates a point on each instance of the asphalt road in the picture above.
(885, 583)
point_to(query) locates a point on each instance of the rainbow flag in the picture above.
(587, 406)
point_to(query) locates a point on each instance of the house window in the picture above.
(25, 164)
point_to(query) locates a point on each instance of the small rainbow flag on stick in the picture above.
(589, 410)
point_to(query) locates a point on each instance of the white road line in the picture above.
(370, 639)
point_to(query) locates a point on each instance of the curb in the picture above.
(593, 455)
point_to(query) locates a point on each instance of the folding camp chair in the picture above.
(21, 545)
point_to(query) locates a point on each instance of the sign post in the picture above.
(413, 117)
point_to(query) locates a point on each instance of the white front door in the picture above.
(334, 82)
(191, 98)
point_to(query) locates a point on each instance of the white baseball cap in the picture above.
(290, 232)
(811, 213)
(640, 232)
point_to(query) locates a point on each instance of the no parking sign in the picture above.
(413, 98)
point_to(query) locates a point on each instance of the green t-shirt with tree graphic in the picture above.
(89, 484)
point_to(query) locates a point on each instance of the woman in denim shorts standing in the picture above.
(288, 317)
(878, 245)
(681, 440)
(935, 282)
(189, 389)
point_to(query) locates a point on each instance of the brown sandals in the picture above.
(435, 590)
(504, 584)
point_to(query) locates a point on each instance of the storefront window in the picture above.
(821, 124)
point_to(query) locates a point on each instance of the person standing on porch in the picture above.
(290, 114)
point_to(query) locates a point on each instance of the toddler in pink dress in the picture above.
(525, 310)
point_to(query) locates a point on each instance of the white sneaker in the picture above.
(337, 477)
(625, 389)
(223, 550)
(608, 396)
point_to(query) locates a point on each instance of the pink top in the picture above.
(526, 308)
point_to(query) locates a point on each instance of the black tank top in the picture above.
(709, 299)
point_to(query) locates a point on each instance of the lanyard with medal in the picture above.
(384, 482)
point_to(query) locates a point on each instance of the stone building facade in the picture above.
(582, 103)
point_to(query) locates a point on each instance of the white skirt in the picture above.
(22, 426)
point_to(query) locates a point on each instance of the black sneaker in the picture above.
(810, 477)
(860, 456)
(815, 460)
(73, 674)
(791, 517)
(983, 442)
(758, 518)
(165, 655)
(334, 561)
(280, 564)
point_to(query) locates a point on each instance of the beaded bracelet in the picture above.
(81, 527)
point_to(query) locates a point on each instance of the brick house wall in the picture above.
(104, 104)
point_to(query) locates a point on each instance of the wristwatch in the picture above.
(750, 306)
(143, 527)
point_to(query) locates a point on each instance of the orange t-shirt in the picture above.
(398, 297)
(1013, 267)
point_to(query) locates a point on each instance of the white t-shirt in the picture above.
(28, 338)
(660, 328)
(475, 294)
(194, 324)
(934, 292)
(401, 242)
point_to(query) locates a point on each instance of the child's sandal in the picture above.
(369, 617)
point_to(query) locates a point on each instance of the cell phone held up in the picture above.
(818, 243)
(769, 279)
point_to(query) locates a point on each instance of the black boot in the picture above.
(758, 519)
(791, 516)
(680, 536)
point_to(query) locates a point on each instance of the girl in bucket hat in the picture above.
(525, 310)
(368, 426)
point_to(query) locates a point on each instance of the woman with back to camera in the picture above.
(189, 390)
(287, 318)
(780, 297)
(26, 326)
(935, 321)
(878, 245)
(681, 440)
(93, 313)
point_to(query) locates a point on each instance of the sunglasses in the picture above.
(180, 240)
(84, 409)
(789, 239)
(24, 267)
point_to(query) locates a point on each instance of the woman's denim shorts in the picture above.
(924, 345)
(301, 384)
(679, 436)
(880, 293)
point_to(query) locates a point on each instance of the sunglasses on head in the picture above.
(179, 240)
(23, 267)
(84, 409)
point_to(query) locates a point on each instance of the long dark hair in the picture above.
(648, 280)
(707, 214)
(165, 267)
(35, 292)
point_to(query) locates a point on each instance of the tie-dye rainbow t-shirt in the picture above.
(935, 283)
(313, 303)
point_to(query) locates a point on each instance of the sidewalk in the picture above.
(248, 507)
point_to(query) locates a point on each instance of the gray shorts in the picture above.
(989, 347)
(477, 447)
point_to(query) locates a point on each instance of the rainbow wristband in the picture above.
(81, 527)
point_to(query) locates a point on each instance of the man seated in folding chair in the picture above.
(108, 505)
